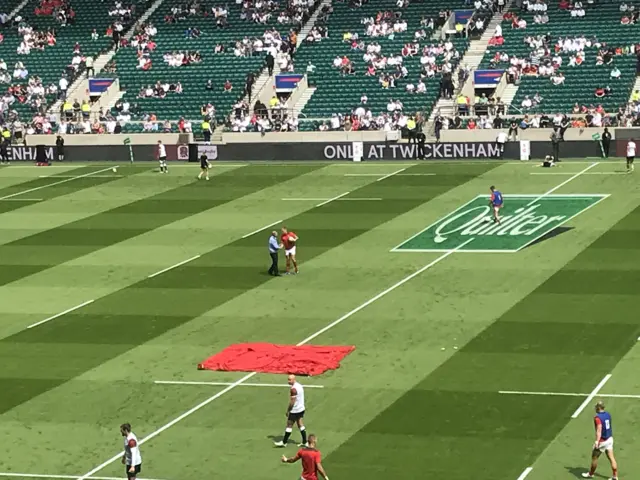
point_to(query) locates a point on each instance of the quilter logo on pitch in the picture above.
(524, 219)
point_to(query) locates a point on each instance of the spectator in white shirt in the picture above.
(558, 79)
(527, 103)
(615, 73)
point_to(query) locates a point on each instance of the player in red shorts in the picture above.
(289, 239)
(310, 457)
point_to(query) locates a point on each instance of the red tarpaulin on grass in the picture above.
(271, 358)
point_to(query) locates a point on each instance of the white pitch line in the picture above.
(332, 199)
(391, 174)
(248, 376)
(71, 176)
(71, 477)
(21, 199)
(56, 183)
(566, 394)
(262, 228)
(581, 172)
(526, 473)
(591, 396)
(586, 173)
(382, 174)
(173, 266)
(355, 199)
(226, 384)
(61, 314)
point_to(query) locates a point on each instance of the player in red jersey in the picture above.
(289, 239)
(310, 457)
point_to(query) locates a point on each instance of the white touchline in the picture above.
(226, 384)
(72, 176)
(262, 228)
(591, 396)
(253, 374)
(173, 266)
(21, 199)
(60, 314)
(586, 173)
(524, 474)
(382, 174)
(332, 199)
(71, 477)
(355, 199)
(56, 183)
(567, 394)
(581, 172)
(390, 174)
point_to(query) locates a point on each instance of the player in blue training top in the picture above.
(496, 202)
(603, 443)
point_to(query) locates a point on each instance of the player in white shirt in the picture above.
(132, 457)
(294, 413)
(162, 157)
(631, 153)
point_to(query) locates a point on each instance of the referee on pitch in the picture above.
(274, 246)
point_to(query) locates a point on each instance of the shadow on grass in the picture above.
(578, 471)
(553, 233)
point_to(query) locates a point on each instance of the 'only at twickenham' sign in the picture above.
(407, 151)
(524, 219)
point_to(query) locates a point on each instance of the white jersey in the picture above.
(298, 391)
(132, 453)
(631, 149)
(162, 150)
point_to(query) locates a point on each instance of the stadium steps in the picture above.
(302, 101)
(75, 89)
(311, 22)
(471, 59)
(263, 80)
(636, 86)
(16, 10)
(508, 94)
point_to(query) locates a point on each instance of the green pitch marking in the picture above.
(524, 219)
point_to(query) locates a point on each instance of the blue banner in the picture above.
(97, 86)
(489, 78)
(288, 81)
(462, 16)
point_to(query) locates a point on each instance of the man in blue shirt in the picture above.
(496, 202)
(274, 246)
(603, 443)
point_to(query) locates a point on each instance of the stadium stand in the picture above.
(205, 53)
(49, 40)
(567, 62)
(343, 78)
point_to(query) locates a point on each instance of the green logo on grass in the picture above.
(523, 220)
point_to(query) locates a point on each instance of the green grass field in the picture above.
(479, 352)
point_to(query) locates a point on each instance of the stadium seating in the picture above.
(337, 93)
(215, 67)
(51, 63)
(602, 21)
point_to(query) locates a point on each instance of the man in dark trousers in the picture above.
(248, 86)
(606, 142)
(4, 151)
(555, 144)
(270, 61)
(60, 148)
(274, 247)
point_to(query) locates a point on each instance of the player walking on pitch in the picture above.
(162, 157)
(603, 443)
(132, 458)
(496, 203)
(311, 461)
(294, 413)
(289, 239)
(204, 167)
(631, 153)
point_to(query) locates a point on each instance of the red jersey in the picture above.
(310, 458)
(288, 240)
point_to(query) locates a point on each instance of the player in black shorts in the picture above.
(204, 167)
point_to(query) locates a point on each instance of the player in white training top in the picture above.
(294, 413)
(631, 153)
(162, 157)
(132, 457)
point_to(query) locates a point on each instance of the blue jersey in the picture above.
(604, 419)
(496, 197)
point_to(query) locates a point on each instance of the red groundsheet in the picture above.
(271, 358)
